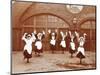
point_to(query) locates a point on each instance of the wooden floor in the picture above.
(51, 62)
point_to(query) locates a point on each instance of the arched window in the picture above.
(44, 22)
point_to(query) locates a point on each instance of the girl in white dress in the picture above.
(81, 50)
(52, 39)
(72, 48)
(63, 42)
(38, 43)
(28, 38)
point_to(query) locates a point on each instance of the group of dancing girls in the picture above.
(36, 39)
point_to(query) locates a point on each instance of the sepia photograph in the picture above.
(52, 37)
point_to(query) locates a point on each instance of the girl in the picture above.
(63, 42)
(52, 41)
(80, 52)
(28, 38)
(38, 44)
(72, 44)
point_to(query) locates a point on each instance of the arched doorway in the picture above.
(89, 27)
(43, 22)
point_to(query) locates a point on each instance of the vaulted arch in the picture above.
(46, 14)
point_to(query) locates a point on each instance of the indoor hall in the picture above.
(48, 18)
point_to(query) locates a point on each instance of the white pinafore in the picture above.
(63, 43)
(81, 48)
(28, 46)
(38, 44)
(53, 41)
(72, 45)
